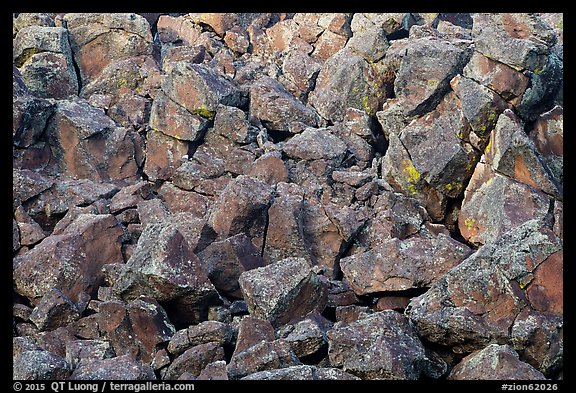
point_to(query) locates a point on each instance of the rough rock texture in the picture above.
(494, 362)
(301, 195)
(380, 346)
(282, 291)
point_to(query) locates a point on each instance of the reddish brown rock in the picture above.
(98, 39)
(314, 144)
(130, 196)
(270, 168)
(122, 368)
(251, 331)
(277, 109)
(27, 184)
(194, 360)
(237, 159)
(178, 28)
(224, 261)
(28, 230)
(496, 362)
(520, 40)
(299, 73)
(87, 144)
(499, 77)
(163, 155)
(196, 54)
(54, 310)
(164, 267)
(242, 208)
(328, 44)
(486, 292)
(203, 174)
(136, 328)
(203, 333)
(282, 291)
(177, 200)
(200, 89)
(396, 303)
(174, 120)
(513, 154)
(285, 234)
(379, 346)
(231, 122)
(308, 337)
(71, 261)
(398, 265)
(262, 356)
(545, 292)
(237, 39)
(15, 236)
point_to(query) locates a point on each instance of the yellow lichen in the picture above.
(204, 112)
(412, 176)
(25, 55)
(470, 223)
(487, 182)
(488, 146)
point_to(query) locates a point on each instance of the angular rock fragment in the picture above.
(224, 261)
(494, 204)
(477, 302)
(242, 208)
(380, 346)
(425, 72)
(54, 310)
(308, 336)
(39, 364)
(87, 144)
(88, 349)
(282, 291)
(71, 261)
(97, 39)
(135, 328)
(498, 362)
(251, 331)
(122, 368)
(314, 144)
(214, 371)
(194, 360)
(262, 356)
(203, 333)
(270, 168)
(277, 109)
(538, 337)
(163, 155)
(164, 267)
(354, 83)
(398, 265)
(548, 138)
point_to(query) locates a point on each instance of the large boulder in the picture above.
(283, 291)
(164, 267)
(71, 261)
(477, 302)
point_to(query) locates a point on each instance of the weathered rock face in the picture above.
(494, 362)
(282, 291)
(164, 267)
(497, 280)
(379, 346)
(346, 80)
(225, 196)
(398, 265)
(71, 261)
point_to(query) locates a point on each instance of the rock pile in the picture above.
(288, 196)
